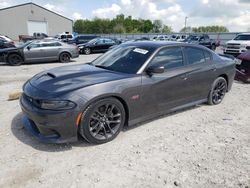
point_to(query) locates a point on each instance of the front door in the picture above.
(169, 89)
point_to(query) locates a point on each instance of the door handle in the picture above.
(214, 69)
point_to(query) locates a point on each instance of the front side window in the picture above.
(169, 58)
(194, 55)
(35, 45)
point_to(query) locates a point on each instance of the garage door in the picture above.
(37, 27)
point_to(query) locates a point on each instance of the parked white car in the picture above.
(161, 38)
(240, 44)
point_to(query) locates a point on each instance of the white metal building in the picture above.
(28, 18)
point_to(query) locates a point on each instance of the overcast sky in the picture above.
(234, 14)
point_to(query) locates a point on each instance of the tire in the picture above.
(64, 57)
(213, 47)
(102, 121)
(87, 51)
(15, 59)
(218, 91)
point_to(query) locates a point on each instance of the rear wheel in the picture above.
(102, 121)
(15, 59)
(213, 47)
(218, 91)
(87, 51)
(64, 57)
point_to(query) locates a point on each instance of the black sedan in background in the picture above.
(97, 45)
(81, 39)
(129, 84)
(6, 42)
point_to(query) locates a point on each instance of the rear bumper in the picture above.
(49, 126)
(75, 55)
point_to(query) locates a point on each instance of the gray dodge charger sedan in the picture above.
(129, 84)
(40, 51)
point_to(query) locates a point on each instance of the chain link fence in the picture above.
(222, 37)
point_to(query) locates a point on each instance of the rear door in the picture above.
(169, 89)
(201, 72)
(51, 50)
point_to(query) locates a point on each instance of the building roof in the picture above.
(30, 3)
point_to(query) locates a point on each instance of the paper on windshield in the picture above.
(141, 51)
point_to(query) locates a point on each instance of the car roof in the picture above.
(159, 44)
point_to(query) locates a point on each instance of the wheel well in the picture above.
(7, 56)
(125, 108)
(225, 77)
(65, 52)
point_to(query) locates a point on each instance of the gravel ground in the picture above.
(204, 146)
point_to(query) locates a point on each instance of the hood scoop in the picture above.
(51, 75)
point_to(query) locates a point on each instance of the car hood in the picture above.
(245, 56)
(8, 49)
(238, 42)
(73, 77)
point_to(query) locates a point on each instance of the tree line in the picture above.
(122, 24)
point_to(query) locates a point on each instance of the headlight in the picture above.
(80, 47)
(57, 105)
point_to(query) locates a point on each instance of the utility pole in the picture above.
(186, 24)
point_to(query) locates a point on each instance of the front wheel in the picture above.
(15, 59)
(218, 91)
(102, 121)
(87, 51)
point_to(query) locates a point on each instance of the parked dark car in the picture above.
(243, 68)
(202, 39)
(82, 39)
(96, 45)
(6, 42)
(39, 51)
(127, 85)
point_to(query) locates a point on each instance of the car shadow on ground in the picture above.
(128, 128)
(25, 137)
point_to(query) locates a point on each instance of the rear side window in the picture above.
(194, 55)
(169, 58)
(207, 55)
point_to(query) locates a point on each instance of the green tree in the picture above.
(157, 26)
(166, 29)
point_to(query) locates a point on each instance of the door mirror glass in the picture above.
(155, 70)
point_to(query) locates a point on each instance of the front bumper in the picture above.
(49, 126)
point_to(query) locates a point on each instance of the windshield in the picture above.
(242, 37)
(124, 58)
(25, 44)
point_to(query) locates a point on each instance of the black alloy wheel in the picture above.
(213, 47)
(218, 91)
(87, 51)
(102, 121)
(64, 57)
(15, 59)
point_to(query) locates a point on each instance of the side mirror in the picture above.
(155, 70)
(28, 47)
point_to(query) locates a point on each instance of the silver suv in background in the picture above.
(40, 51)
